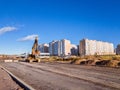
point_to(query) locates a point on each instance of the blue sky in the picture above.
(57, 19)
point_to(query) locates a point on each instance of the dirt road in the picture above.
(55, 76)
(6, 82)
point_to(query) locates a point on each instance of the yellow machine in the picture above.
(33, 57)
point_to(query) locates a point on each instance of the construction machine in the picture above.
(34, 56)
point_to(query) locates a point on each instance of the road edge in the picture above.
(20, 82)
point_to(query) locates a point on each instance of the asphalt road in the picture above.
(56, 76)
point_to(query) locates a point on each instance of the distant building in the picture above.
(43, 48)
(44, 55)
(51, 48)
(60, 48)
(74, 49)
(93, 47)
(78, 49)
(118, 49)
(57, 48)
(65, 47)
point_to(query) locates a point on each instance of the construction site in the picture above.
(34, 73)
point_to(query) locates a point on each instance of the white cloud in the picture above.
(28, 38)
(7, 29)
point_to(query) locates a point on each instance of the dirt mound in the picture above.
(102, 62)
(109, 63)
(73, 61)
(113, 63)
(77, 61)
(89, 62)
(119, 64)
(82, 62)
(86, 62)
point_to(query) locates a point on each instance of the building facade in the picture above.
(93, 47)
(51, 48)
(118, 49)
(74, 50)
(57, 48)
(65, 47)
(44, 48)
(60, 48)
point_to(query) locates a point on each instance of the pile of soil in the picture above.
(109, 63)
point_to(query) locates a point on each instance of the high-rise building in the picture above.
(60, 48)
(74, 49)
(118, 49)
(51, 48)
(44, 48)
(65, 47)
(93, 47)
(57, 48)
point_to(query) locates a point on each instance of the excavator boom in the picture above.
(35, 52)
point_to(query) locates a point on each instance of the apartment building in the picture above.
(51, 48)
(74, 49)
(44, 48)
(57, 48)
(60, 47)
(118, 49)
(65, 47)
(93, 47)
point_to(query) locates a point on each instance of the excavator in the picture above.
(34, 56)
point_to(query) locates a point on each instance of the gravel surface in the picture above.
(6, 82)
(55, 76)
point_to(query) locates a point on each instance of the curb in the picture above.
(20, 82)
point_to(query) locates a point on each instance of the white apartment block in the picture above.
(60, 48)
(93, 47)
(43, 48)
(65, 47)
